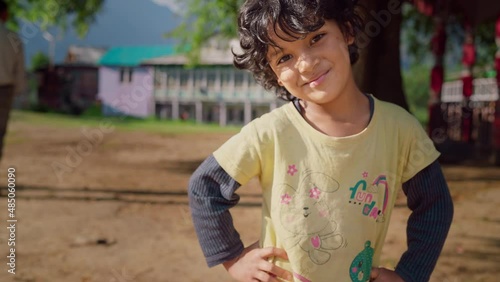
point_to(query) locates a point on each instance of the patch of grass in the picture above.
(13, 137)
(120, 123)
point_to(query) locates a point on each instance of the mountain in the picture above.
(120, 23)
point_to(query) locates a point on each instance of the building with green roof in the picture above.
(133, 56)
(126, 86)
(146, 81)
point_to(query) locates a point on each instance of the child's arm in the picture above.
(211, 195)
(432, 212)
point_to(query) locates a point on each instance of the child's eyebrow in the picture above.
(276, 52)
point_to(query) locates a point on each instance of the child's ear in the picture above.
(349, 39)
(280, 83)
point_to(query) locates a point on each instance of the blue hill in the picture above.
(120, 23)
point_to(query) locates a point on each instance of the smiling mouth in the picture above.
(317, 80)
(306, 214)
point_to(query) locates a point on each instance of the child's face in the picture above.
(316, 68)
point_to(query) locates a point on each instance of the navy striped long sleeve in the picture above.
(211, 195)
(432, 212)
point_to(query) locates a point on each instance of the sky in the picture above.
(176, 6)
(120, 23)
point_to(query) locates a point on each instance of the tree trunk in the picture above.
(378, 70)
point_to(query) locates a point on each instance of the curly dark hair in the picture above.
(296, 19)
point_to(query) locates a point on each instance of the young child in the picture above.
(330, 162)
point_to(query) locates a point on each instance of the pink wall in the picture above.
(134, 98)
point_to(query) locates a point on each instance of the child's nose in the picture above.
(306, 63)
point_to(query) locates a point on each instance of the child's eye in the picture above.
(284, 59)
(317, 38)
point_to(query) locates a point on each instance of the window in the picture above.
(172, 78)
(160, 78)
(227, 79)
(211, 77)
(238, 79)
(184, 78)
(200, 78)
(126, 75)
(200, 82)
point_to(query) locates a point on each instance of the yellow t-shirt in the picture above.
(327, 200)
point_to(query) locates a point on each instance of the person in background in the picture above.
(12, 71)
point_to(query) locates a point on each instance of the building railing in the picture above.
(485, 90)
(208, 84)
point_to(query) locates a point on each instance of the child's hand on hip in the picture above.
(252, 265)
(380, 274)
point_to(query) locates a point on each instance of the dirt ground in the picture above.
(114, 208)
